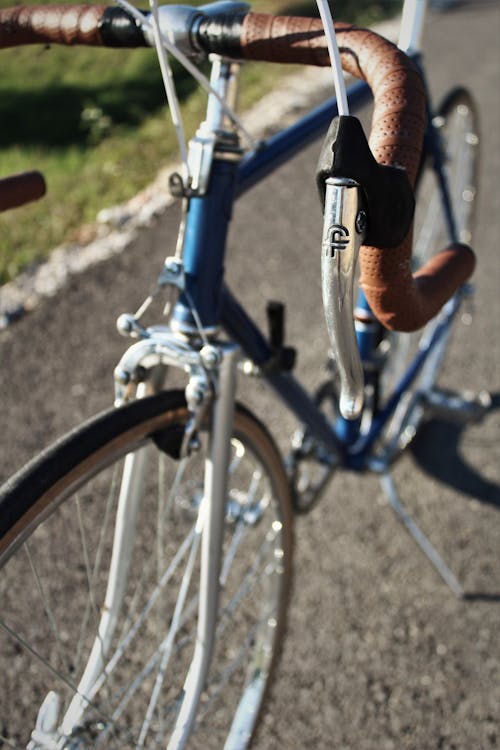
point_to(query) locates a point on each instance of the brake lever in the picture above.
(343, 233)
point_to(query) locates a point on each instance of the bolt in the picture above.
(195, 393)
(173, 266)
(122, 377)
(361, 222)
(125, 324)
(176, 185)
(210, 356)
(194, 445)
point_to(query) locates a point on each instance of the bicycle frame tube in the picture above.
(361, 452)
(242, 328)
(342, 440)
(208, 215)
(207, 225)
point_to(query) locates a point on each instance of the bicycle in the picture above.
(238, 509)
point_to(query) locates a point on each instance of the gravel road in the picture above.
(379, 655)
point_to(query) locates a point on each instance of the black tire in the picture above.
(458, 127)
(58, 513)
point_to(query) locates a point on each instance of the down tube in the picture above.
(441, 329)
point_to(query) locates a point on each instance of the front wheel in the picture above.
(99, 594)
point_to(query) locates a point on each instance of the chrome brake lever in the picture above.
(343, 232)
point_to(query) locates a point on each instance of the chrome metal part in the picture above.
(172, 273)
(224, 6)
(212, 514)
(45, 733)
(224, 79)
(161, 347)
(176, 23)
(216, 132)
(249, 368)
(200, 158)
(198, 397)
(339, 253)
(211, 356)
(179, 22)
(191, 331)
(128, 325)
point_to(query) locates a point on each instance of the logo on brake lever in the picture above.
(337, 239)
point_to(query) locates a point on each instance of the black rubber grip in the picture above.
(221, 34)
(90, 25)
(119, 29)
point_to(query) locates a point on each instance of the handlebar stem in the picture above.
(225, 80)
(343, 233)
(216, 133)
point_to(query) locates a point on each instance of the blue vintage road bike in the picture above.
(156, 619)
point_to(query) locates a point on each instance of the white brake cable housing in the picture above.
(168, 82)
(333, 51)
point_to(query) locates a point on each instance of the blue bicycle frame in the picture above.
(206, 229)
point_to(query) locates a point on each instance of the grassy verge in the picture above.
(95, 123)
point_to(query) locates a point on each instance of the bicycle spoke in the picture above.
(160, 536)
(238, 536)
(240, 526)
(86, 558)
(48, 609)
(45, 663)
(125, 642)
(92, 598)
(191, 541)
(225, 676)
(166, 647)
(80, 648)
(146, 565)
(239, 453)
(155, 657)
(5, 741)
(131, 688)
(249, 576)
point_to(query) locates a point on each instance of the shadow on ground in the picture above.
(437, 451)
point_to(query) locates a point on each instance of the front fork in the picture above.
(219, 365)
(213, 511)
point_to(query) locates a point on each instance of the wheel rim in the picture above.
(253, 582)
(457, 126)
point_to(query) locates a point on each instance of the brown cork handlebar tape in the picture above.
(400, 299)
(46, 24)
(20, 188)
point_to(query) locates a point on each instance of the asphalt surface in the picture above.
(379, 654)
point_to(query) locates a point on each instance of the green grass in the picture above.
(95, 123)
